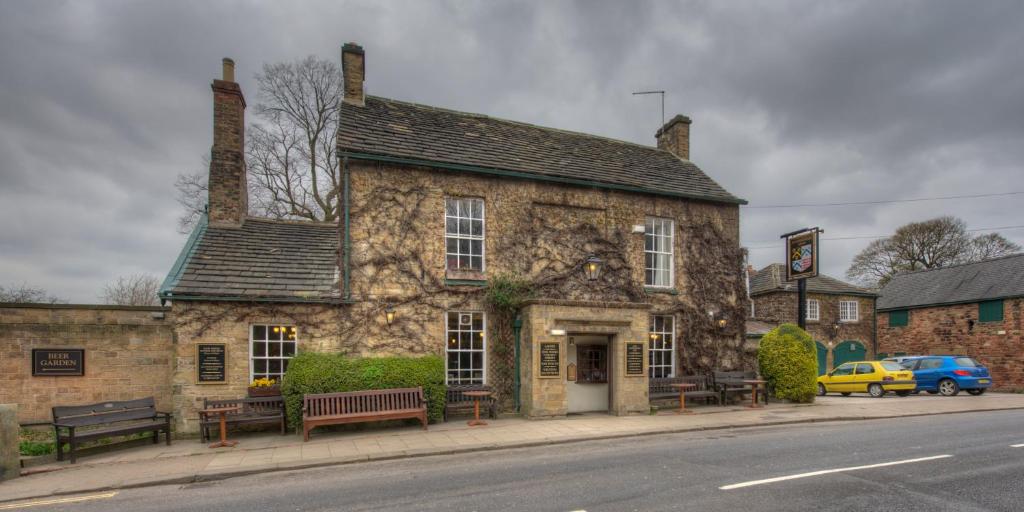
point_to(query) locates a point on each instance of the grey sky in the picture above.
(102, 104)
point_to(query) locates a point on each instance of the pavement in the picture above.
(189, 461)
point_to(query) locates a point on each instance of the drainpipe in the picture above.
(346, 258)
(874, 327)
(517, 327)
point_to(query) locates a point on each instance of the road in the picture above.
(983, 470)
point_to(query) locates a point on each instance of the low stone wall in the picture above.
(128, 354)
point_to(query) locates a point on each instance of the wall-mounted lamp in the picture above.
(557, 332)
(717, 317)
(592, 267)
(833, 330)
(389, 314)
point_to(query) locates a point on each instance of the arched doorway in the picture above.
(822, 358)
(849, 350)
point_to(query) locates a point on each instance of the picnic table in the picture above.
(682, 387)
(756, 384)
(476, 395)
(223, 412)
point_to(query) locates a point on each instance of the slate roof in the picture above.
(261, 260)
(773, 279)
(385, 127)
(758, 328)
(971, 282)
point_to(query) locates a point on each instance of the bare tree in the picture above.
(26, 294)
(291, 152)
(924, 245)
(133, 290)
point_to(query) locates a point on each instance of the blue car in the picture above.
(948, 375)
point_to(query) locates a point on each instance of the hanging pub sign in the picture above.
(634, 358)
(802, 254)
(211, 359)
(58, 362)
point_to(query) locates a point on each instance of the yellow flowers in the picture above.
(263, 383)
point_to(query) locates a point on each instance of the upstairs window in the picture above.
(813, 314)
(464, 234)
(658, 247)
(848, 311)
(270, 349)
(990, 311)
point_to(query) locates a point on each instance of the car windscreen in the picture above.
(966, 361)
(892, 366)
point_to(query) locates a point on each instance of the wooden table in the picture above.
(477, 395)
(754, 385)
(223, 411)
(683, 386)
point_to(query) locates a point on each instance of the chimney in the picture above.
(674, 137)
(353, 68)
(229, 193)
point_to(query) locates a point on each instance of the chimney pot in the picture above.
(228, 68)
(353, 70)
(674, 137)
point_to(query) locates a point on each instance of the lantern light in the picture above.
(592, 267)
(389, 314)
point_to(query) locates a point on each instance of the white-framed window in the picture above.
(270, 349)
(661, 346)
(466, 347)
(848, 311)
(658, 250)
(464, 233)
(813, 313)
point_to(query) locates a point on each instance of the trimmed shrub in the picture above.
(310, 373)
(789, 362)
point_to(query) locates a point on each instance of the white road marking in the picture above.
(1017, 445)
(75, 499)
(826, 472)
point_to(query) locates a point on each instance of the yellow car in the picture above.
(872, 377)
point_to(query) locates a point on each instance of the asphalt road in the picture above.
(983, 471)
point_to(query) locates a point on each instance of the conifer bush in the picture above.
(789, 362)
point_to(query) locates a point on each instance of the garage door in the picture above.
(847, 351)
(822, 358)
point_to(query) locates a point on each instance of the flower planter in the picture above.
(262, 392)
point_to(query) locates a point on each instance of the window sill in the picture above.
(465, 282)
(667, 291)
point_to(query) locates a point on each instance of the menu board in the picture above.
(549, 359)
(58, 362)
(634, 358)
(210, 363)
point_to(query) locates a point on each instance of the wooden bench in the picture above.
(729, 385)
(77, 423)
(661, 388)
(256, 410)
(362, 406)
(455, 401)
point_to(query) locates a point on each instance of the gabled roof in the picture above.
(971, 282)
(263, 260)
(773, 279)
(474, 142)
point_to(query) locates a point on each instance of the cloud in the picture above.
(102, 105)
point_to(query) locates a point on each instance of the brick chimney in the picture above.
(353, 68)
(674, 137)
(229, 193)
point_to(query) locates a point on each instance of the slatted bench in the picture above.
(78, 423)
(362, 406)
(455, 401)
(731, 384)
(252, 411)
(661, 388)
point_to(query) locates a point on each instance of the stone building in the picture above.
(972, 309)
(631, 254)
(840, 316)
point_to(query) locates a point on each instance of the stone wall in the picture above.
(781, 307)
(127, 355)
(955, 329)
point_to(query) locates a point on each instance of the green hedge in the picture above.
(310, 373)
(789, 362)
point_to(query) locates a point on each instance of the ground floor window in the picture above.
(270, 349)
(465, 350)
(662, 346)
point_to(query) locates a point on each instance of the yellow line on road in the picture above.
(56, 501)
(828, 471)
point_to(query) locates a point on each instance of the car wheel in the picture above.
(821, 389)
(845, 394)
(948, 387)
(903, 393)
(976, 392)
(876, 390)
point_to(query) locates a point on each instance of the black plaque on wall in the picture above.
(211, 359)
(549, 359)
(58, 362)
(634, 358)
